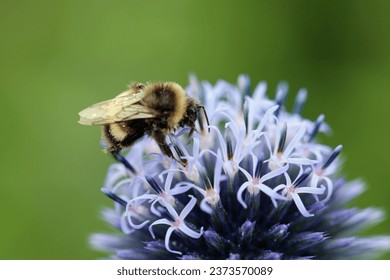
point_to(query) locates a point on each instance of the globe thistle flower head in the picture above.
(251, 183)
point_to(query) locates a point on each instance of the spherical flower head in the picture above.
(251, 183)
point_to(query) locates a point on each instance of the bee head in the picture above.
(194, 112)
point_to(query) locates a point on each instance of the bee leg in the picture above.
(113, 149)
(191, 131)
(160, 140)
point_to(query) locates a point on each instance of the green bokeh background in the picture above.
(58, 57)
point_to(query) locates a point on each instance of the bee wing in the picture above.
(124, 107)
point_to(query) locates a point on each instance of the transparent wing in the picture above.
(124, 107)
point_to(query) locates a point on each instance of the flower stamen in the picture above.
(154, 184)
(114, 197)
(281, 95)
(127, 164)
(300, 100)
(282, 140)
(229, 147)
(332, 157)
(316, 128)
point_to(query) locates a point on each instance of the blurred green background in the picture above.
(58, 57)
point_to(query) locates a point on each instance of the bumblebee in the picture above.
(155, 109)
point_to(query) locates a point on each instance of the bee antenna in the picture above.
(205, 115)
